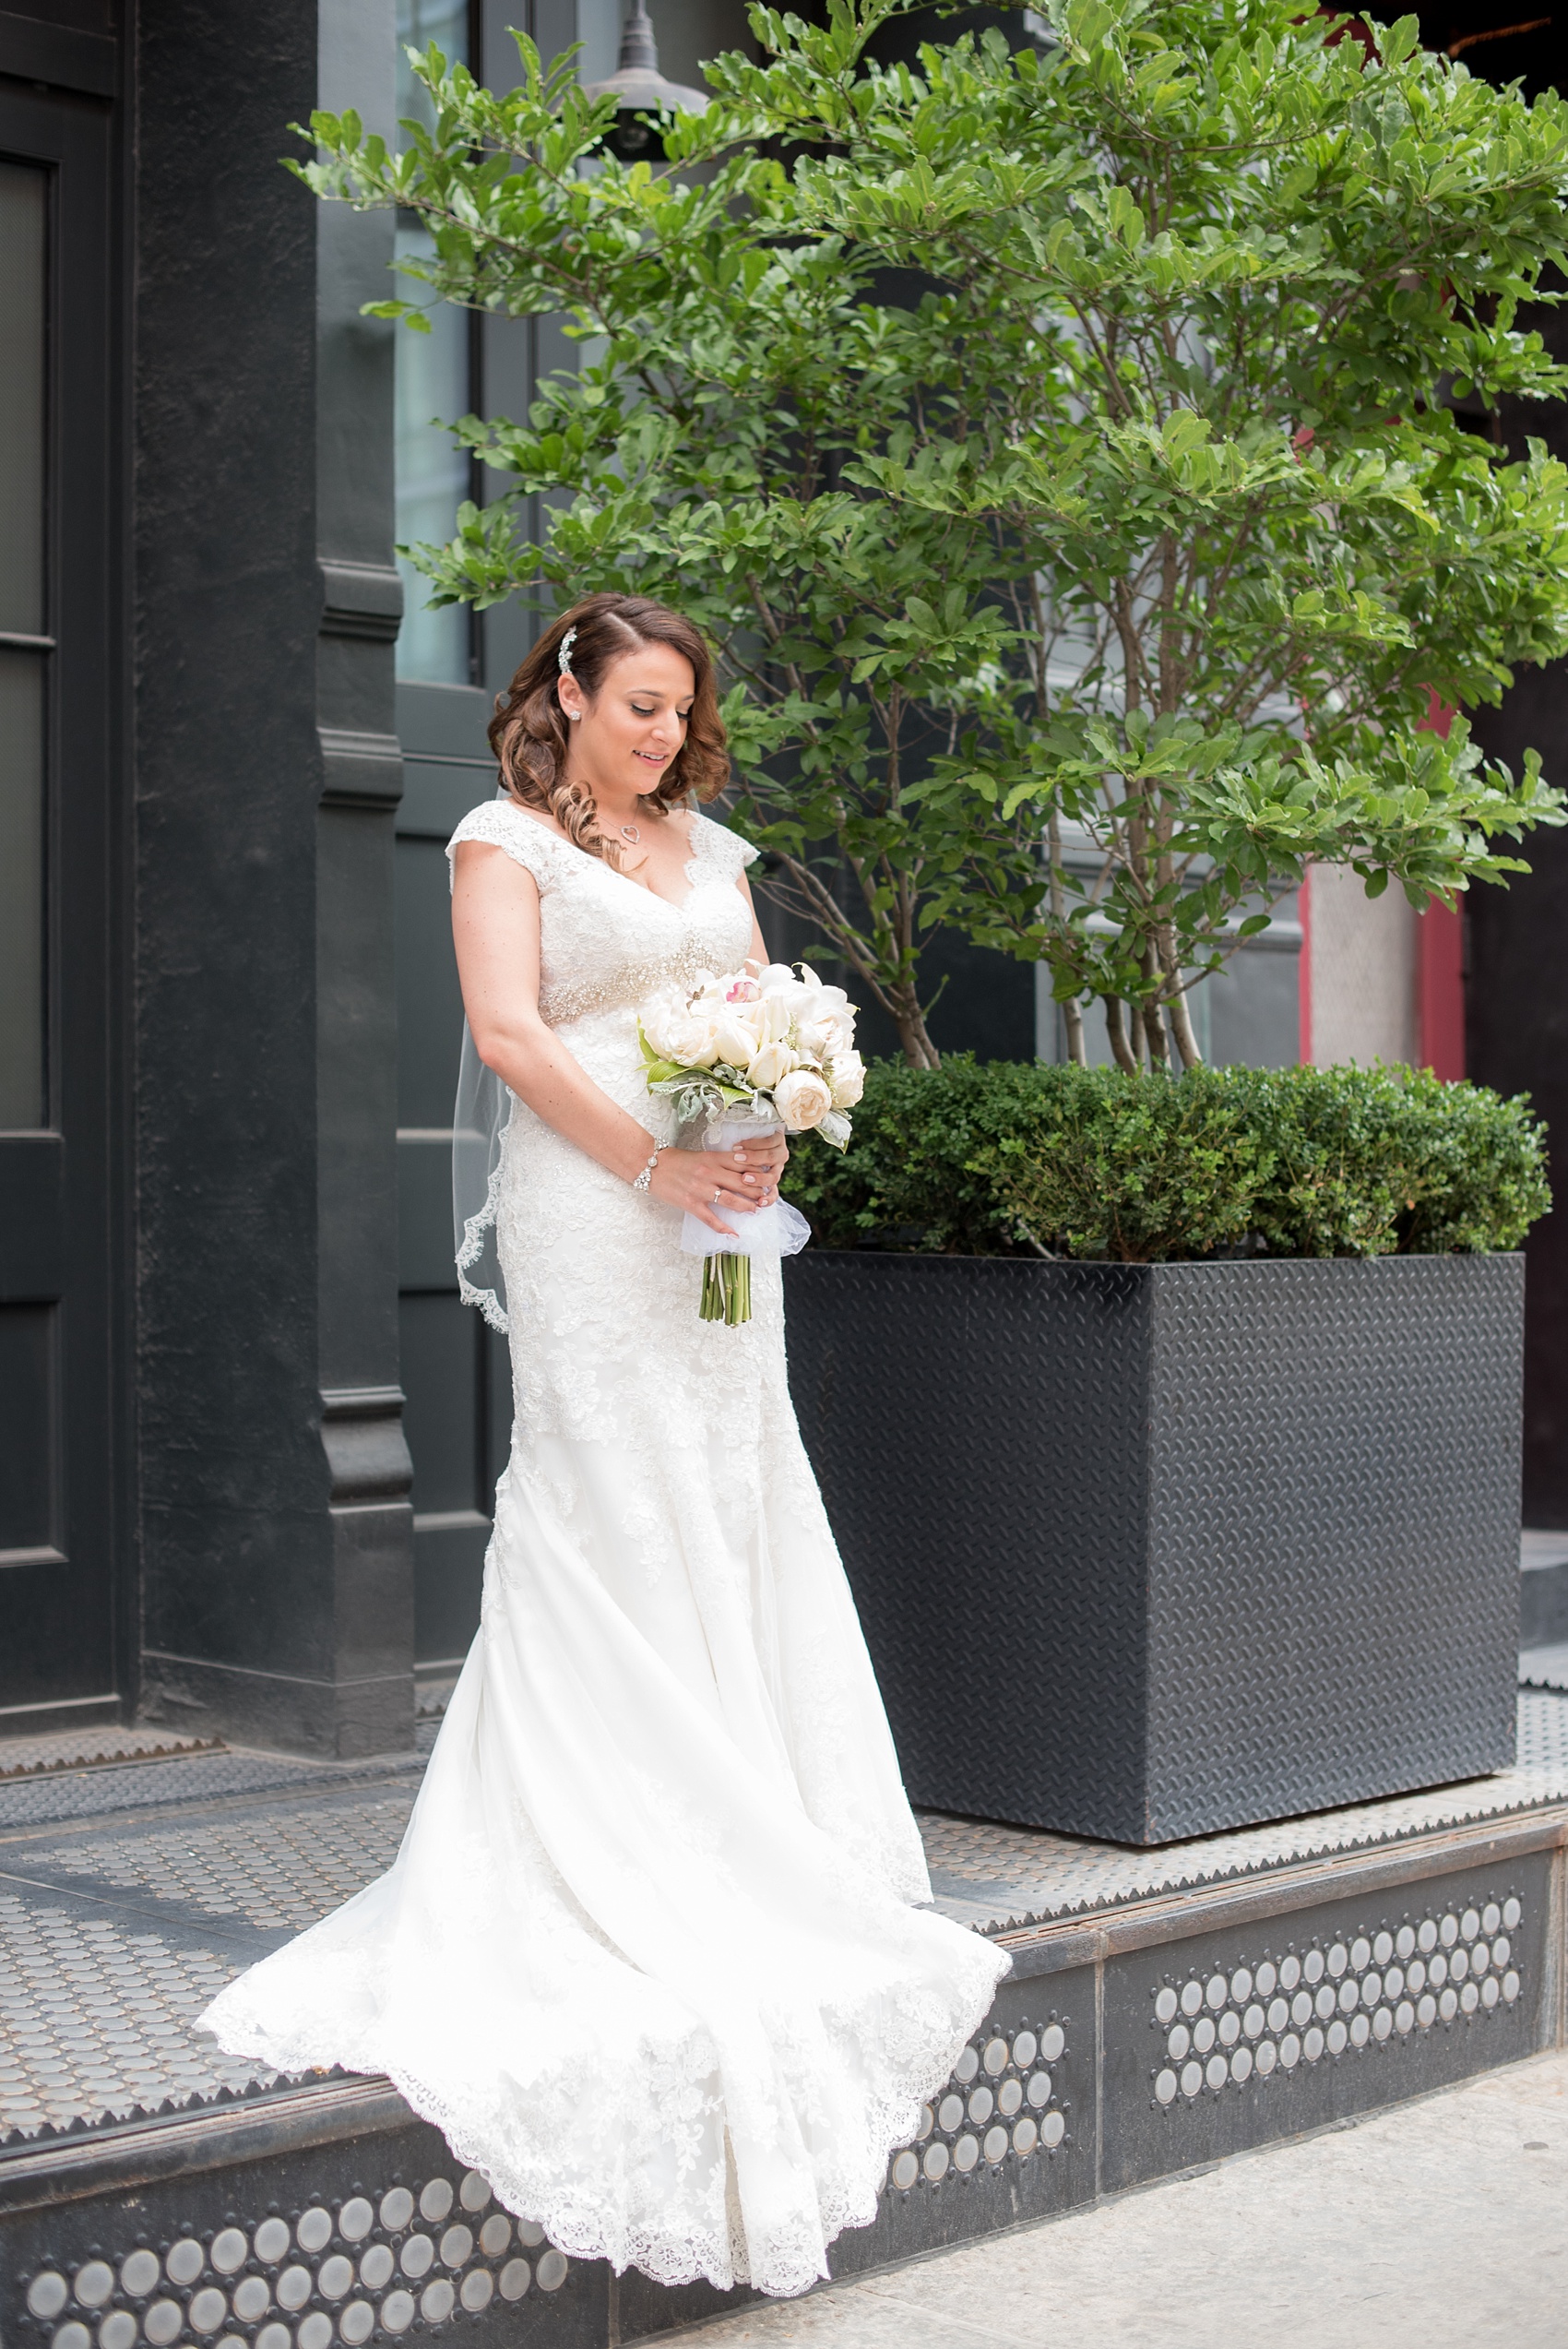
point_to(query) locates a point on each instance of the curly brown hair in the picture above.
(529, 733)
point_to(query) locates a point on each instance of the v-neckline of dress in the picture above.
(617, 875)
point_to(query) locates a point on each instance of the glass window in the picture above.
(23, 360)
(432, 382)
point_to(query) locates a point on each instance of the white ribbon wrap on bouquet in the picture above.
(776, 1231)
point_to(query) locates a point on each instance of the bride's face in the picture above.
(625, 738)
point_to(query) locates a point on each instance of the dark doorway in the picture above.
(1516, 1013)
(60, 1655)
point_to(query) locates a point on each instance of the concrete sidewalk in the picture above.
(1439, 2224)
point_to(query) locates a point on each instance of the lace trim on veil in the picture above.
(476, 1230)
(481, 1123)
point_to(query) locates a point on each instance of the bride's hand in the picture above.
(710, 1184)
(765, 1161)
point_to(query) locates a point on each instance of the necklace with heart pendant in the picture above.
(630, 832)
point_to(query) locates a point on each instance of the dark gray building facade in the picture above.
(226, 1292)
(206, 1514)
(247, 1433)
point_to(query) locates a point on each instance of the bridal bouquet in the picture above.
(743, 1056)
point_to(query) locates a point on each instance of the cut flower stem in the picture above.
(726, 1290)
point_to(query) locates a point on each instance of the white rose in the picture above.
(830, 1006)
(734, 1039)
(833, 1005)
(846, 1075)
(817, 1040)
(802, 1100)
(767, 1065)
(680, 1032)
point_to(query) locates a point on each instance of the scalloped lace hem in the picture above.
(678, 2246)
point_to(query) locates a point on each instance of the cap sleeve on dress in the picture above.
(500, 824)
(716, 845)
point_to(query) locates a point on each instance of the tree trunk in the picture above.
(1181, 1024)
(919, 1049)
(1072, 1010)
(1153, 1020)
(1116, 1030)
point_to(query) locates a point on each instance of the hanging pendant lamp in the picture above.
(640, 90)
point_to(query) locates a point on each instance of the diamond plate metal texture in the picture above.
(956, 1410)
(1151, 1551)
(90, 1790)
(116, 1935)
(1334, 1466)
(995, 1877)
(95, 2020)
(113, 1937)
(103, 1748)
(286, 1869)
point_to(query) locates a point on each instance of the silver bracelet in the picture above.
(640, 1182)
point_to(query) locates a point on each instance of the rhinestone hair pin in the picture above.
(564, 658)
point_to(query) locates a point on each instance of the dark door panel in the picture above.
(54, 1654)
(32, 1216)
(58, 856)
(30, 1499)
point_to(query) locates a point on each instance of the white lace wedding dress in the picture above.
(651, 1955)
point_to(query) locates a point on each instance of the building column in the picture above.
(371, 1515)
(274, 1527)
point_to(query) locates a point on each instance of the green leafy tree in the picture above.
(1082, 596)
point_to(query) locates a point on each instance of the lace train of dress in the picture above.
(651, 1955)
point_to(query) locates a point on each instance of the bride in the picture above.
(653, 1954)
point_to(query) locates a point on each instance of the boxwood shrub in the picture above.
(1006, 1159)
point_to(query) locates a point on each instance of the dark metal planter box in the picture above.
(1148, 1551)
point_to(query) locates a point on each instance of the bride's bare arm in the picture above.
(496, 927)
